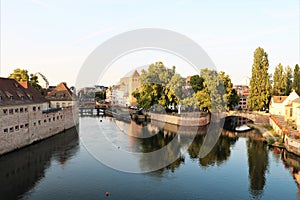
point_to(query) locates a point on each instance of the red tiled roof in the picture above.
(15, 93)
(60, 93)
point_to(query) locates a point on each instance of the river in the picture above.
(77, 165)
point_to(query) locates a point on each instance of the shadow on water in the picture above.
(22, 169)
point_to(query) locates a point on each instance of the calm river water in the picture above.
(65, 166)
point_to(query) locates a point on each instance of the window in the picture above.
(34, 108)
(16, 110)
(39, 122)
(22, 97)
(61, 116)
(21, 110)
(5, 111)
(26, 125)
(57, 117)
(11, 111)
(63, 104)
(45, 120)
(16, 128)
(57, 104)
(49, 119)
(26, 110)
(291, 112)
(34, 123)
(21, 126)
(39, 108)
(53, 118)
(5, 130)
(0, 97)
(11, 97)
(11, 129)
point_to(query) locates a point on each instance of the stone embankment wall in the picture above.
(20, 129)
(183, 120)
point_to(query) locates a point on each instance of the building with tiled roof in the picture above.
(25, 116)
(278, 103)
(61, 96)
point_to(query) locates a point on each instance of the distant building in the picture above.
(243, 92)
(88, 93)
(121, 93)
(61, 96)
(43, 82)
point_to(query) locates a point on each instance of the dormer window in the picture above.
(0, 98)
(29, 96)
(22, 97)
(11, 97)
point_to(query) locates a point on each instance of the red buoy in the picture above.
(107, 194)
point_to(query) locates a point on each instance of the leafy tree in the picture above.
(19, 75)
(287, 77)
(278, 81)
(296, 79)
(100, 95)
(196, 83)
(260, 89)
(160, 85)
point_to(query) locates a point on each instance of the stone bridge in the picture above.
(256, 117)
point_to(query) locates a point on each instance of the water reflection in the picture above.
(292, 162)
(258, 164)
(22, 169)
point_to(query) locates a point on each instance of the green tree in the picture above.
(217, 92)
(278, 81)
(296, 79)
(101, 95)
(159, 85)
(196, 83)
(287, 77)
(260, 89)
(20, 75)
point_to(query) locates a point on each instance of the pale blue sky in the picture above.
(55, 37)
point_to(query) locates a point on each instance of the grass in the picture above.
(268, 127)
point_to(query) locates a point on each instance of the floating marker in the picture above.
(107, 194)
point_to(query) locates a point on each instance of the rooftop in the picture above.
(16, 93)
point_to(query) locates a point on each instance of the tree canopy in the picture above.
(260, 88)
(163, 86)
(21, 75)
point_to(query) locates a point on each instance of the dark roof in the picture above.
(16, 93)
(60, 93)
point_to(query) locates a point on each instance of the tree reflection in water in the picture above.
(258, 165)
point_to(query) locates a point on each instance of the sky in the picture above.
(55, 37)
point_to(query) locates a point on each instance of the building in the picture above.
(243, 92)
(278, 103)
(121, 93)
(26, 117)
(61, 96)
(43, 82)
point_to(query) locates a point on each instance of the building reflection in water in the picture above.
(292, 162)
(21, 170)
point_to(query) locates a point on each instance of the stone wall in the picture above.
(183, 120)
(22, 125)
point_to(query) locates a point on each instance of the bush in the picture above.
(271, 141)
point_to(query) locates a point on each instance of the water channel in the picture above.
(240, 166)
